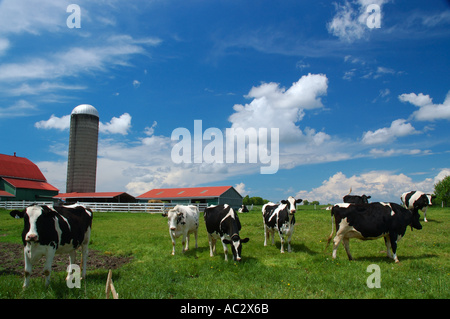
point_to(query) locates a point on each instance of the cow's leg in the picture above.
(425, 214)
(266, 234)
(225, 249)
(173, 243)
(85, 252)
(273, 237)
(212, 245)
(28, 266)
(394, 249)
(346, 241)
(185, 242)
(291, 232)
(282, 242)
(387, 242)
(48, 265)
(336, 241)
(196, 235)
(72, 260)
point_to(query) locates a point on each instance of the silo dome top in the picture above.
(85, 109)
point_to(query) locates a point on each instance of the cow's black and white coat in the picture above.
(54, 230)
(280, 217)
(183, 221)
(419, 200)
(223, 222)
(372, 221)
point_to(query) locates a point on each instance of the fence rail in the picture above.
(105, 207)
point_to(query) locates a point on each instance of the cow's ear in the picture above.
(298, 201)
(17, 214)
(368, 197)
(284, 201)
(245, 240)
(226, 241)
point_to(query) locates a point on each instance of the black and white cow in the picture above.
(243, 209)
(49, 230)
(282, 218)
(183, 221)
(356, 199)
(223, 222)
(417, 199)
(372, 221)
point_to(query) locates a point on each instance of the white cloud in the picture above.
(350, 22)
(120, 125)
(427, 110)
(381, 185)
(277, 107)
(54, 122)
(18, 109)
(240, 188)
(398, 128)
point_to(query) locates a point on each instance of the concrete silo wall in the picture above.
(82, 161)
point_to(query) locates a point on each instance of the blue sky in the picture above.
(355, 106)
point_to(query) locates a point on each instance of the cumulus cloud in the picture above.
(398, 128)
(277, 107)
(54, 122)
(381, 185)
(427, 110)
(117, 125)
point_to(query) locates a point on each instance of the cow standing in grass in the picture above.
(282, 218)
(371, 221)
(419, 200)
(183, 221)
(54, 230)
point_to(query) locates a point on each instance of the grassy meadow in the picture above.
(264, 273)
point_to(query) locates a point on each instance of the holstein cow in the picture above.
(183, 221)
(223, 222)
(282, 218)
(417, 199)
(243, 209)
(372, 221)
(355, 199)
(54, 230)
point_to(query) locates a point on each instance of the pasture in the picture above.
(264, 273)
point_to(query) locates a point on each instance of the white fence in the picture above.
(105, 207)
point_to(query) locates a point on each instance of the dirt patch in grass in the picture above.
(12, 260)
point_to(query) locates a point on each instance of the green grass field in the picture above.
(307, 272)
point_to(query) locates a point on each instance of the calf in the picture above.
(183, 221)
(282, 218)
(372, 221)
(419, 200)
(54, 230)
(222, 222)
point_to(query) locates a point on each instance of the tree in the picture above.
(442, 191)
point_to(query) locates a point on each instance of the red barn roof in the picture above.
(192, 192)
(23, 183)
(19, 167)
(89, 195)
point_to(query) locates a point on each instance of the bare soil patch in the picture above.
(12, 260)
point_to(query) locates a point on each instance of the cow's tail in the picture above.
(332, 231)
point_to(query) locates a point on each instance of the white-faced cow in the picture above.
(54, 230)
(282, 218)
(243, 209)
(223, 222)
(372, 221)
(417, 199)
(183, 221)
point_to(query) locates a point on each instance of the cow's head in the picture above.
(291, 204)
(175, 218)
(430, 197)
(35, 218)
(365, 198)
(236, 246)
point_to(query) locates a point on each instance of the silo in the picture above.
(83, 141)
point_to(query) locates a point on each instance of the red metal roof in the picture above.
(192, 192)
(19, 167)
(5, 194)
(89, 195)
(24, 183)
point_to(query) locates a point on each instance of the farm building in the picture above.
(212, 195)
(21, 179)
(98, 197)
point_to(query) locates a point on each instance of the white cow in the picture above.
(183, 220)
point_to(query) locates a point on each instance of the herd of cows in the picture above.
(54, 230)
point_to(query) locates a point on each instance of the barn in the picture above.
(21, 179)
(97, 197)
(211, 195)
